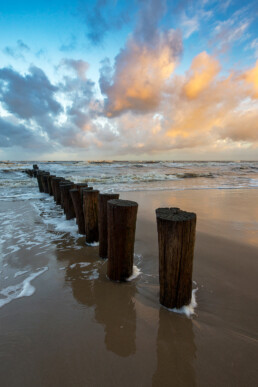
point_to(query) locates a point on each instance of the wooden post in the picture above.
(81, 185)
(35, 170)
(39, 181)
(176, 237)
(50, 190)
(55, 181)
(44, 181)
(90, 208)
(77, 204)
(58, 190)
(121, 215)
(62, 183)
(67, 201)
(103, 230)
(81, 189)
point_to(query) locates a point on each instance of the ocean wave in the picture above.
(192, 175)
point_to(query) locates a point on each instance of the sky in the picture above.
(128, 80)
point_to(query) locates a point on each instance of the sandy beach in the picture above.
(80, 329)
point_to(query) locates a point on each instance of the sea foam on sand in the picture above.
(93, 244)
(135, 274)
(23, 289)
(188, 310)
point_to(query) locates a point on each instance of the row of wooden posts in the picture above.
(106, 219)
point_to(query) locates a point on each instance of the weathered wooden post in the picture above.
(58, 190)
(81, 185)
(103, 230)
(39, 181)
(44, 178)
(43, 181)
(176, 237)
(77, 204)
(55, 181)
(90, 209)
(67, 201)
(62, 183)
(121, 215)
(50, 190)
(81, 188)
(35, 170)
(83, 199)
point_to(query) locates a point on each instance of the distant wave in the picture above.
(192, 175)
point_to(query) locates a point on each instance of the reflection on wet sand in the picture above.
(113, 302)
(176, 351)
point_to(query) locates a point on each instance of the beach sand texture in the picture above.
(63, 323)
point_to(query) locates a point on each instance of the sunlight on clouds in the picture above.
(203, 70)
(140, 74)
(3, 111)
(251, 77)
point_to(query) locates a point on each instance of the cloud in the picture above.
(18, 51)
(140, 73)
(143, 66)
(251, 77)
(192, 23)
(149, 16)
(15, 134)
(199, 110)
(254, 46)
(103, 16)
(58, 114)
(29, 96)
(232, 30)
(78, 66)
(202, 72)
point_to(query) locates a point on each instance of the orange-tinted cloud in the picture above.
(200, 110)
(202, 72)
(251, 77)
(140, 73)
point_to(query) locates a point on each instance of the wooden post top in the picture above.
(64, 182)
(122, 203)
(82, 184)
(106, 194)
(90, 191)
(86, 189)
(58, 178)
(174, 214)
(66, 186)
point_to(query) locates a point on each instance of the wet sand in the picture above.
(80, 329)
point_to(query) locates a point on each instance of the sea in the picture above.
(122, 176)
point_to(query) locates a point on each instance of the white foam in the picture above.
(135, 274)
(13, 248)
(94, 275)
(20, 273)
(81, 264)
(188, 310)
(93, 244)
(23, 289)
